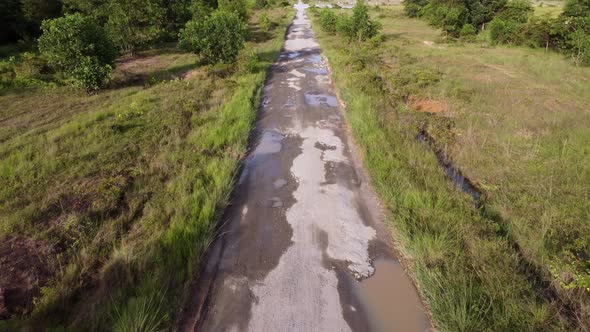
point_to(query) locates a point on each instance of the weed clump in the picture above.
(328, 20)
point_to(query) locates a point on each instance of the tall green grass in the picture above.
(463, 265)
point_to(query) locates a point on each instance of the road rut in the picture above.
(303, 247)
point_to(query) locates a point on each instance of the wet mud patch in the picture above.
(376, 293)
(340, 172)
(27, 265)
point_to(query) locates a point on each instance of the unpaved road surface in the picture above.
(303, 247)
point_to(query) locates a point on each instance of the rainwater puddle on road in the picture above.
(390, 299)
(319, 71)
(314, 58)
(313, 99)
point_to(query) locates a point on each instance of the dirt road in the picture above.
(303, 247)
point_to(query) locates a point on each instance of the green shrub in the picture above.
(135, 24)
(78, 47)
(239, 7)
(359, 26)
(578, 43)
(449, 18)
(517, 10)
(537, 32)
(505, 32)
(343, 25)
(26, 70)
(413, 8)
(572, 36)
(467, 32)
(577, 8)
(328, 20)
(218, 38)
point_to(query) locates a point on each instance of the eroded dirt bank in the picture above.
(303, 248)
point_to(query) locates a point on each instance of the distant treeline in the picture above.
(511, 22)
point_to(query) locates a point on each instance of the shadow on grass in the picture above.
(153, 77)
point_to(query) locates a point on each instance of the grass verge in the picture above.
(463, 259)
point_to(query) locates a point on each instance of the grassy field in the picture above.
(515, 121)
(109, 201)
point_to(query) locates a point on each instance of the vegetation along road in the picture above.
(267, 165)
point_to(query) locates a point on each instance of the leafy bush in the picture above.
(517, 10)
(537, 32)
(343, 26)
(578, 42)
(328, 20)
(359, 26)
(577, 8)
(218, 38)
(413, 8)
(481, 12)
(26, 70)
(135, 24)
(78, 47)
(239, 7)
(505, 32)
(449, 18)
(467, 32)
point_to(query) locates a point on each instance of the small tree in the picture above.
(239, 7)
(218, 38)
(359, 26)
(134, 24)
(517, 10)
(78, 47)
(577, 8)
(413, 8)
(97, 9)
(328, 20)
(505, 32)
(468, 32)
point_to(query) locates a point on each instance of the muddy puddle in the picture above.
(389, 285)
